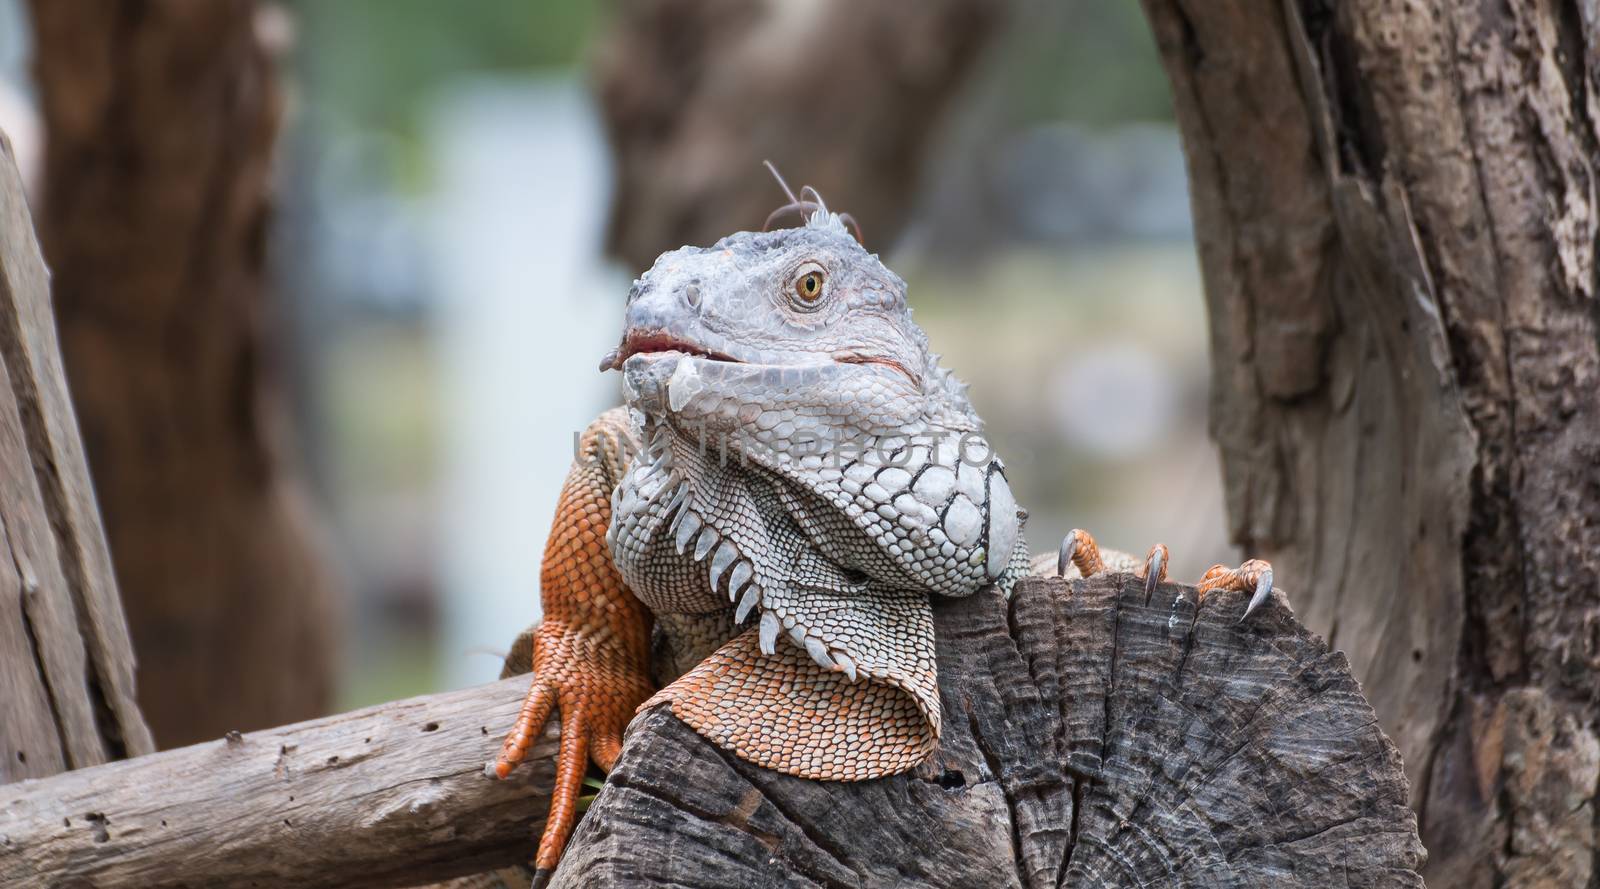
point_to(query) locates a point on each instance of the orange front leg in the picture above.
(591, 653)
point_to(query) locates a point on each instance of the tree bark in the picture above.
(1396, 211)
(1091, 739)
(66, 665)
(160, 119)
(839, 94)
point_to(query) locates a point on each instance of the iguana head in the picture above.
(795, 351)
(804, 312)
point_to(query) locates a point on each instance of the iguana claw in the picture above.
(1155, 570)
(1069, 545)
(1254, 577)
(1078, 548)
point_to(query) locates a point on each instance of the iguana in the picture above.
(760, 529)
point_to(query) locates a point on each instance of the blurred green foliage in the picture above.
(374, 62)
(1089, 61)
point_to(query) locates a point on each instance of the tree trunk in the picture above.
(66, 666)
(839, 94)
(160, 118)
(1091, 740)
(1397, 214)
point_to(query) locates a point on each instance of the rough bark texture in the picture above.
(839, 94)
(66, 665)
(1396, 210)
(160, 116)
(394, 795)
(1090, 740)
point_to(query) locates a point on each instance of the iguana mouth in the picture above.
(658, 342)
(637, 342)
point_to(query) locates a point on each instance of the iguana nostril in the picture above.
(691, 295)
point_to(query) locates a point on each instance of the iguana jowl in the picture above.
(792, 478)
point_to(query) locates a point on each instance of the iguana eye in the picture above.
(808, 284)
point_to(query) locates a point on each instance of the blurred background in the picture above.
(437, 213)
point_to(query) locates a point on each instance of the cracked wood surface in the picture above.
(66, 665)
(1090, 740)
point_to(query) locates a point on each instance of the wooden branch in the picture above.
(393, 795)
(66, 663)
(1090, 740)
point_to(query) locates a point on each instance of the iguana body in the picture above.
(792, 479)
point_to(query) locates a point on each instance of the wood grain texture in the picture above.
(1397, 217)
(1091, 740)
(66, 664)
(393, 795)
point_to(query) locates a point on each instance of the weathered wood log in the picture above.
(66, 665)
(393, 795)
(1090, 740)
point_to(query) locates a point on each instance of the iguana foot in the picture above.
(597, 690)
(1079, 550)
(1254, 576)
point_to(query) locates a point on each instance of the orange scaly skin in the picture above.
(591, 655)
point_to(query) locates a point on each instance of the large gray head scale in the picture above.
(805, 453)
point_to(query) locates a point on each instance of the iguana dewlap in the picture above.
(792, 479)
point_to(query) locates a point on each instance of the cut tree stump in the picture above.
(1090, 740)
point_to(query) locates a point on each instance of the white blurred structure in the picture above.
(525, 313)
(19, 119)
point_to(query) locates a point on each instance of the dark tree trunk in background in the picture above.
(839, 94)
(160, 118)
(1396, 208)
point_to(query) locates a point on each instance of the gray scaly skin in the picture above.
(807, 464)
